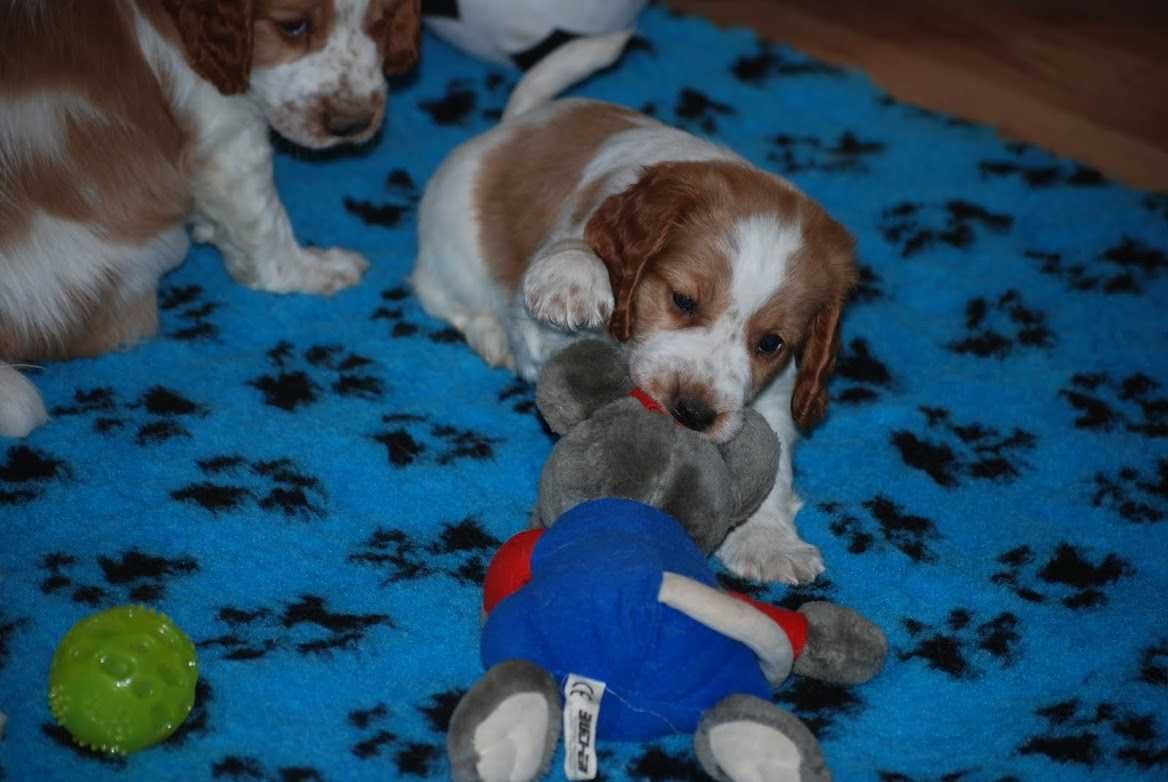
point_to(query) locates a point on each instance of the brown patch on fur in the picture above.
(396, 25)
(217, 38)
(273, 46)
(120, 165)
(117, 321)
(109, 319)
(526, 181)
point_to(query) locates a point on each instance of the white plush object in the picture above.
(520, 32)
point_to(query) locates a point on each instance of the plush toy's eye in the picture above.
(295, 28)
(686, 304)
(770, 344)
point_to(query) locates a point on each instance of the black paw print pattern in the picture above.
(821, 705)
(867, 376)
(25, 474)
(276, 486)
(307, 626)
(970, 450)
(158, 415)
(848, 152)
(410, 758)
(887, 525)
(772, 61)
(1124, 268)
(1039, 175)
(9, 626)
(1137, 496)
(996, 328)
(914, 228)
(456, 107)
(956, 648)
(300, 380)
(129, 576)
(1077, 733)
(187, 305)
(658, 764)
(1067, 574)
(1134, 403)
(461, 551)
(449, 444)
(392, 311)
(252, 769)
(698, 110)
(403, 198)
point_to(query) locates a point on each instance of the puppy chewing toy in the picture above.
(607, 619)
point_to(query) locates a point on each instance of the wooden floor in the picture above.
(1088, 80)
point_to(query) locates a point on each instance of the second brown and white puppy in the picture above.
(120, 120)
(724, 281)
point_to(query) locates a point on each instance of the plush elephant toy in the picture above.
(607, 613)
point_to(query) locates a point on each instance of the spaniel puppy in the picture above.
(724, 281)
(122, 119)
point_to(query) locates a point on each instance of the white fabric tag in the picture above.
(581, 712)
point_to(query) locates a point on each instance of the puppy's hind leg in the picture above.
(21, 408)
(483, 329)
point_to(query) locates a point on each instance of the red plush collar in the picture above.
(647, 401)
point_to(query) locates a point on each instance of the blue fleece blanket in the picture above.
(311, 487)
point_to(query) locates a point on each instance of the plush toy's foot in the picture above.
(506, 728)
(842, 646)
(747, 739)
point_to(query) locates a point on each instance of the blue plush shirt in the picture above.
(591, 608)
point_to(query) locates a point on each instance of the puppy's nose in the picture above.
(345, 122)
(693, 413)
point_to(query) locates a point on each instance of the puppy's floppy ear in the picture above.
(809, 399)
(817, 359)
(217, 35)
(401, 35)
(632, 227)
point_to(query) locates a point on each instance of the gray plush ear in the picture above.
(752, 458)
(579, 380)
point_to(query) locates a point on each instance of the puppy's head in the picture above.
(315, 68)
(722, 275)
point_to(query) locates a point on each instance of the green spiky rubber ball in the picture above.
(123, 679)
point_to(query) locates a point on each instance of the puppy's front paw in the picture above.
(758, 553)
(314, 270)
(569, 289)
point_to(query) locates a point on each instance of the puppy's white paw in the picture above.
(569, 288)
(757, 552)
(21, 408)
(312, 270)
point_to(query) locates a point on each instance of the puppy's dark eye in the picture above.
(770, 344)
(295, 28)
(686, 304)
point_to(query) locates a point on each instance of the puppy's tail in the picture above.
(568, 64)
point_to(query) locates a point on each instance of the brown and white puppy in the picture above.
(122, 119)
(724, 281)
